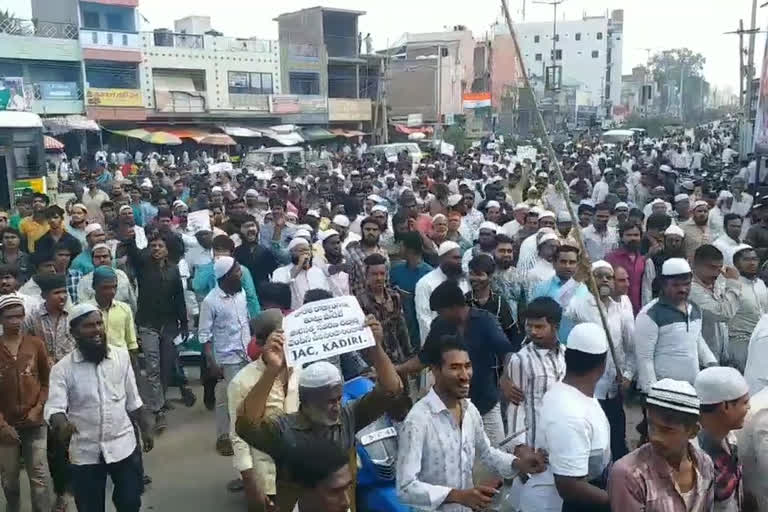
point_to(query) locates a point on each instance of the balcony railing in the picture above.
(38, 28)
(95, 38)
(172, 40)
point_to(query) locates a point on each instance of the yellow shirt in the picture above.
(32, 231)
(118, 322)
(283, 399)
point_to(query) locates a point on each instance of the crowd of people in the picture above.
(511, 338)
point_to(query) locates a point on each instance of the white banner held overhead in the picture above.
(447, 149)
(524, 152)
(199, 221)
(325, 328)
(486, 159)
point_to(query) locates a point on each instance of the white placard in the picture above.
(527, 152)
(447, 149)
(486, 159)
(220, 167)
(476, 144)
(325, 328)
(199, 221)
(392, 159)
(415, 120)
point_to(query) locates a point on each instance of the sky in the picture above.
(648, 24)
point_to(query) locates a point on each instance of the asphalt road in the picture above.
(187, 472)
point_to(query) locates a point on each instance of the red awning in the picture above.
(415, 129)
(51, 143)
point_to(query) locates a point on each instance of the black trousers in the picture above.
(89, 482)
(614, 411)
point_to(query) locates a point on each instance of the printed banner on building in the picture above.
(59, 90)
(34, 184)
(296, 104)
(12, 94)
(472, 100)
(114, 97)
(325, 328)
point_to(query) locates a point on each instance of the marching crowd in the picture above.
(491, 353)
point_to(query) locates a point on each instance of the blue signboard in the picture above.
(59, 90)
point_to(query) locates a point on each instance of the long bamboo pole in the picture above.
(560, 186)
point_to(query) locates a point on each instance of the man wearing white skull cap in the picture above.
(320, 415)
(724, 397)
(576, 431)
(301, 274)
(668, 341)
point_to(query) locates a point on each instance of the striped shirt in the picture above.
(533, 370)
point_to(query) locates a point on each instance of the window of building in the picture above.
(578, 36)
(599, 36)
(558, 54)
(536, 39)
(90, 19)
(538, 56)
(595, 54)
(241, 82)
(116, 21)
(304, 83)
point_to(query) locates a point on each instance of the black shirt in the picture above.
(46, 243)
(258, 259)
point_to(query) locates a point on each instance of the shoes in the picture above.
(235, 485)
(224, 447)
(188, 397)
(161, 422)
(209, 396)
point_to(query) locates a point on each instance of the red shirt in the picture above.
(634, 264)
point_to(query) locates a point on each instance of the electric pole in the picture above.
(554, 86)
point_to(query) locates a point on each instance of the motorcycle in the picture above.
(376, 456)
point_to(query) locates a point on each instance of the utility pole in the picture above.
(552, 92)
(750, 62)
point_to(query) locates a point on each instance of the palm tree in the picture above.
(10, 24)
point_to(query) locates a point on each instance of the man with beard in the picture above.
(486, 243)
(481, 270)
(730, 239)
(715, 290)
(519, 212)
(335, 266)
(671, 246)
(753, 304)
(449, 268)
(628, 256)
(77, 222)
(261, 262)
(543, 268)
(36, 225)
(102, 256)
(301, 274)
(404, 275)
(147, 209)
(562, 287)
(94, 235)
(320, 415)
(599, 238)
(696, 230)
(93, 391)
(160, 317)
(682, 211)
(614, 382)
(224, 333)
(357, 252)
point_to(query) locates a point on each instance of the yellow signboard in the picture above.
(114, 98)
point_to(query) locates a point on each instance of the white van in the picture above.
(388, 151)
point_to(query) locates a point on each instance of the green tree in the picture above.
(670, 68)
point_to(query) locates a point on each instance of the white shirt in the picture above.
(757, 358)
(576, 431)
(603, 243)
(224, 322)
(753, 449)
(435, 455)
(96, 400)
(584, 309)
(600, 191)
(743, 206)
(424, 288)
(511, 228)
(728, 155)
(304, 281)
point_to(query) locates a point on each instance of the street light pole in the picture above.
(551, 92)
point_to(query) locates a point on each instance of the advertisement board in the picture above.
(59, 90)
(113, 97)
(12, 94)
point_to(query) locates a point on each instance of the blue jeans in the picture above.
(89, 483)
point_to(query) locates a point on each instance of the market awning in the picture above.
(51, 143)
(409, 130)
(217, 139)
(285, 134)
(136, 133)
(339, 132)
(240, 131)
(162, 138)
(65, 124)
(313, 133)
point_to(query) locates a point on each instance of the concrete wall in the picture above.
(218, 56)
(505, 72)
(302, 48)
(39, 48)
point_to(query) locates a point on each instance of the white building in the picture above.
(187, 72)
(589, 51)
